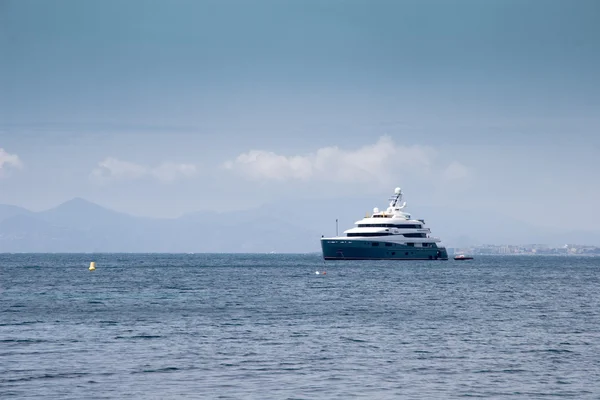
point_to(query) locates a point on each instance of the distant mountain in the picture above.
(26, 233)
(79, 225)
(82, 226)
(7, 211)
(82, 214)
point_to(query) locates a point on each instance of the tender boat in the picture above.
(385, 235)
(463, 257)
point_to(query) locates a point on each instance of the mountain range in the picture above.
(294, 226)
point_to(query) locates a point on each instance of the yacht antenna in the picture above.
(397, 196)
(336, 227)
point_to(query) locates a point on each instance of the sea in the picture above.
(292, 326)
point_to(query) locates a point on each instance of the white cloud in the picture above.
(168, 172)
(381, 161)
(259, 164)
(8, 162)
(111, 169)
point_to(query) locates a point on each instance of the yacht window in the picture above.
(369, 234)
(375, 244)
(376, 225)
(422, 235)
(402, 226)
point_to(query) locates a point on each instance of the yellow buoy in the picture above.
(92, 266)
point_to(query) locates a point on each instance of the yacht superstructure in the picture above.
(390, 235)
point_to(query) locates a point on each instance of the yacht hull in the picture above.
(344, 249)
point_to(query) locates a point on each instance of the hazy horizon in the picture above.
(159, 109)
(79, 225)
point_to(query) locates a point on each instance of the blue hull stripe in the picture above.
(395, 259)
(343, 249)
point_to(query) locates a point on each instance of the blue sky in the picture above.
(160, 108)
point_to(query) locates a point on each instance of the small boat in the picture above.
(463, 257)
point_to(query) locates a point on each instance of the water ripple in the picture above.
(267, 327)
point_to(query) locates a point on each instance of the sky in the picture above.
(160, 108)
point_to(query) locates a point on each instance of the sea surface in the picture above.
(231, 326)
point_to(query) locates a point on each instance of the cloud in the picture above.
(8, 162)
(168, 172)
(259, 164)
(380, 161)
(111, 169)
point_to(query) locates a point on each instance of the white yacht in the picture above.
(386, 235)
